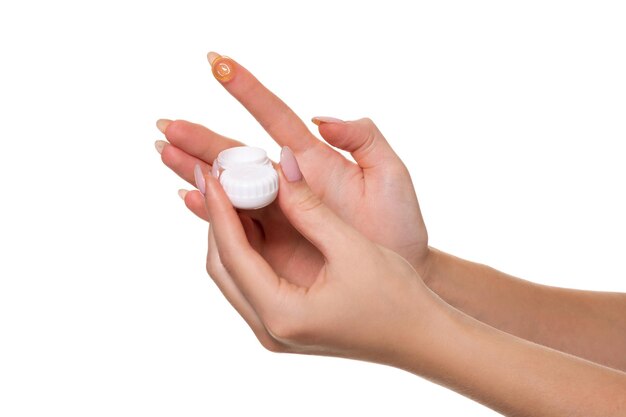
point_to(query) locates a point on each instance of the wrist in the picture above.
(429, 266)
(426, 331)
(445, 275)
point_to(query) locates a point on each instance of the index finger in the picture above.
(282, 124)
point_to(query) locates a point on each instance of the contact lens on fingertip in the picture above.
(223, 69)
(247, 176)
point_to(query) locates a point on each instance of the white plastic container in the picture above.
(247, 176)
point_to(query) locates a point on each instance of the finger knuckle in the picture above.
(229, 257)
(212, 268)
(367, 122)
(272, 345)
(308, 202)
(285, 329)
(398, 170)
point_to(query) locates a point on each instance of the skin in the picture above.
(367, 302)
(588, 324)
(591, 325)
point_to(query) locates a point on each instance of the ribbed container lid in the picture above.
(248, 177)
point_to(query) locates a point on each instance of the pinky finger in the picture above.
(194, 200)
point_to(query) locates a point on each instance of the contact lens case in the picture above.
(247, 176)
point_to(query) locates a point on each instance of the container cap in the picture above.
(247, 176)
(242, 155)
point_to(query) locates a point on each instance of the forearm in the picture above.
(511, 375)
(588, 324)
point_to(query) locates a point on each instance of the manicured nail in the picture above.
(199, 177)
(182, 193)
(215, 170)
(162, 124)
(212, 56)
(223, 67)
(289, 165)
(323, 119)
(159, 145)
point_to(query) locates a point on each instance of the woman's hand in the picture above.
(359, 302)
(366, 302)
(375, 195)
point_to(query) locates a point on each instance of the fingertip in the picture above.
(284, 185)
(209, 181)
(212, 56)
(289, 165)
(176, 129)
(208, 189)
(162, 124)
(330, 127)
(169, 155)
(222, 67)
(214, 195)
(320, 120)
(362, 139)
(332, 132)
(291, 194)
(159, 145)
(194, 201)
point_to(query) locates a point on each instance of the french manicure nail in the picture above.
(199, 177)
(289, 165)
(162, 124)
(215, 170)
(159, 145)
(317, 120)
(182, 193)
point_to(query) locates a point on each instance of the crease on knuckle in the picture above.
(271, 344)
(229, 258)
(308, 202)
(368, 122)
(213, 268)
(285, 328)
(369, 143)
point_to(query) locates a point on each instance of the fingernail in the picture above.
(223, 67)
(182, 194)
(317, 120)
(215, 170)
(162, 124)
(199, 177)
(212, 56)
(289, 165)
(159, 145)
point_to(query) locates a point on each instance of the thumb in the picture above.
(307, 213)
(361, 138)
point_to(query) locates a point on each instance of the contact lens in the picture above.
(223, 69)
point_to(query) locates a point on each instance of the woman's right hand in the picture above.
(375, 195)
(366, 302)
(362, 301)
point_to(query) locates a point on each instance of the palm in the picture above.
(356, 201)
(383, 207)
(283, 247)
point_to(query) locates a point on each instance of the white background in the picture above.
(510, 116)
